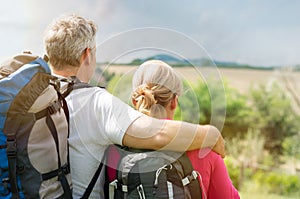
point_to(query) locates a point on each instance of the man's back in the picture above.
(107, 122)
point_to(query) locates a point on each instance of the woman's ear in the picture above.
(133, 102)
(174, 102)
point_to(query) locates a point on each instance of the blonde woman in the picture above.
(156, 89)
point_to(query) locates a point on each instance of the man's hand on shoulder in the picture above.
(219, 147)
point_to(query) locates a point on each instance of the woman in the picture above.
(156, 89)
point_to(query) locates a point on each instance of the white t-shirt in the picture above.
(97, 119)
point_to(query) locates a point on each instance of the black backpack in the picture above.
(132, 173)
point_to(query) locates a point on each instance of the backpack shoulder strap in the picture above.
(73, 84)
(191, 177)
(93, 181)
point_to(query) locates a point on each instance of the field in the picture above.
(263, 196)
(240, 79)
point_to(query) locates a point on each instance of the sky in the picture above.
(257, 32)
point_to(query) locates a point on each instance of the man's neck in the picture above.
(67, 72)
(63, 73)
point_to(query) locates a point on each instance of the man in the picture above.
(98, 119)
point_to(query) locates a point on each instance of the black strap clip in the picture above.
(63, 171)
(11, 149)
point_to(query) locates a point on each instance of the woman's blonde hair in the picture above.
(66, 39)
(155, 84)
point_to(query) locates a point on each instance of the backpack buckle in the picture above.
(187, 180)
(117, 185)
(54, 107)
(11, 149)
(66, 169)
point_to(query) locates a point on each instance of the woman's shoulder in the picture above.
(205, 157)
(204, 154)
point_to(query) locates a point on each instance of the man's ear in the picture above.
(174, 102)
(85, 57)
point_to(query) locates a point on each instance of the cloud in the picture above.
(254, 32)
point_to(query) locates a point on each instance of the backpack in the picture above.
(132, 173)
(33, 131)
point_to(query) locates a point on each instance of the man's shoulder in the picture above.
(92, 93)
(91, 90)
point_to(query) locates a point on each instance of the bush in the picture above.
(233, 171)
(278, 183)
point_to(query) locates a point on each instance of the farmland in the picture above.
(240, 79)
(268, 115)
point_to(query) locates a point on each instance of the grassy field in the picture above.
(255, 195)
(240, 79)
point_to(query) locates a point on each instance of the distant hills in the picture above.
(173, 61)
(163, 57)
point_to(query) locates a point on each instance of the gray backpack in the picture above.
(132, 173)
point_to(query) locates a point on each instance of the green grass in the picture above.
(251, 190)
(249, 195)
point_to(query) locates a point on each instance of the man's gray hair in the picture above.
(66, 39)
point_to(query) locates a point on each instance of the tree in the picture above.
(274, 117)
(292, 150)
(227, 109)
(246, 152)
(120, 86)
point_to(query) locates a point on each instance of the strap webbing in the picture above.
(53, 108)
(170, 190)
(52, 174)
(93, 181)
(73, 84)
(12, 162)
(188, 171)
(67, 114)
(61, 175)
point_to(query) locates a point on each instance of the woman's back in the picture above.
(215, 181)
